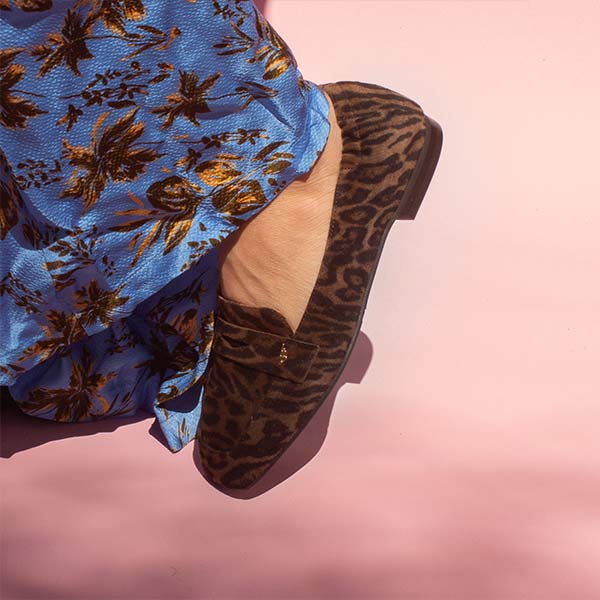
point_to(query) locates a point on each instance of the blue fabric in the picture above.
(134, 137)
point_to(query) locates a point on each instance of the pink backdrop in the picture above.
(462, 459)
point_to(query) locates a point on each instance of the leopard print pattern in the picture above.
(250, 416)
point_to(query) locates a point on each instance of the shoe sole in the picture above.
(424, 169)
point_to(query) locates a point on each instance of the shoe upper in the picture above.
(264, 383)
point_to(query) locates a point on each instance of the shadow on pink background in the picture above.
(459, 458)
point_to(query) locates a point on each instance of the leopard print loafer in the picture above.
(265, 382)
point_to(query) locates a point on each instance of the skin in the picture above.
(274, 258)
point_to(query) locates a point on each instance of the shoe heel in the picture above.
(424, 169)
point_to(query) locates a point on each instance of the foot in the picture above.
(274, 258)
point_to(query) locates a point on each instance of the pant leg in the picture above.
(134, 136)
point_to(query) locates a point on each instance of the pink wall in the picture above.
(465, 466)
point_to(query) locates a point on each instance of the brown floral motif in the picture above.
(38, 173)
(252, 90)
(217, 140)
(113, 13)
(174, 201)
(68, 47)
(151, 39)
(239, 197)
(39, 234)
(27, 5)
(117, 88)
(61, 331)
(188, 101)
(14, 109)
(198, 333)
(112, 154)
(236, 192)
(9, 208)
(185, 323)
(243, 195)
(230, 8)
(98, 304)
(24, 297)
(11, 204)
(75, 253)
(182, 357)
(184, 433)
(121, 338)
(191, 98)
(267, 44)
(36, 233)
(77, 401)
(33, 5)
(219, 170)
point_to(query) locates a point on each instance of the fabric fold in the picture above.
(136, 138)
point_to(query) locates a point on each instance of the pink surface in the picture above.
(464, 466)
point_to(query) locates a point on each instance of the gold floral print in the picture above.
(194, 331)
(113, 13)
(68, 47)
(188, 101)
(162, 360)
(267, 44)
(174, 202)
(219, 170)
(11, 202)
(77, 401)
(239, 197)
(197, 332)
(246, 194)
(79, 252)
(153, 39)
(112, 154)
(33, 233)
(117, 88)
(183, 431)
(29, 300)
(61, 331)
(14, 109)
(27, 5)
(38, 173)
(217, 140)
(167, 310)
(191, 99)
(227, 9)
(97, 304)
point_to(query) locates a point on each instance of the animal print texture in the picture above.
(249, 417)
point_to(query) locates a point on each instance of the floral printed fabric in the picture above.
(134, 137)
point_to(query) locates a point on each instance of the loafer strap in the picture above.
(283, 356)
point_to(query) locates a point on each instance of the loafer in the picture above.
(264, 382)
